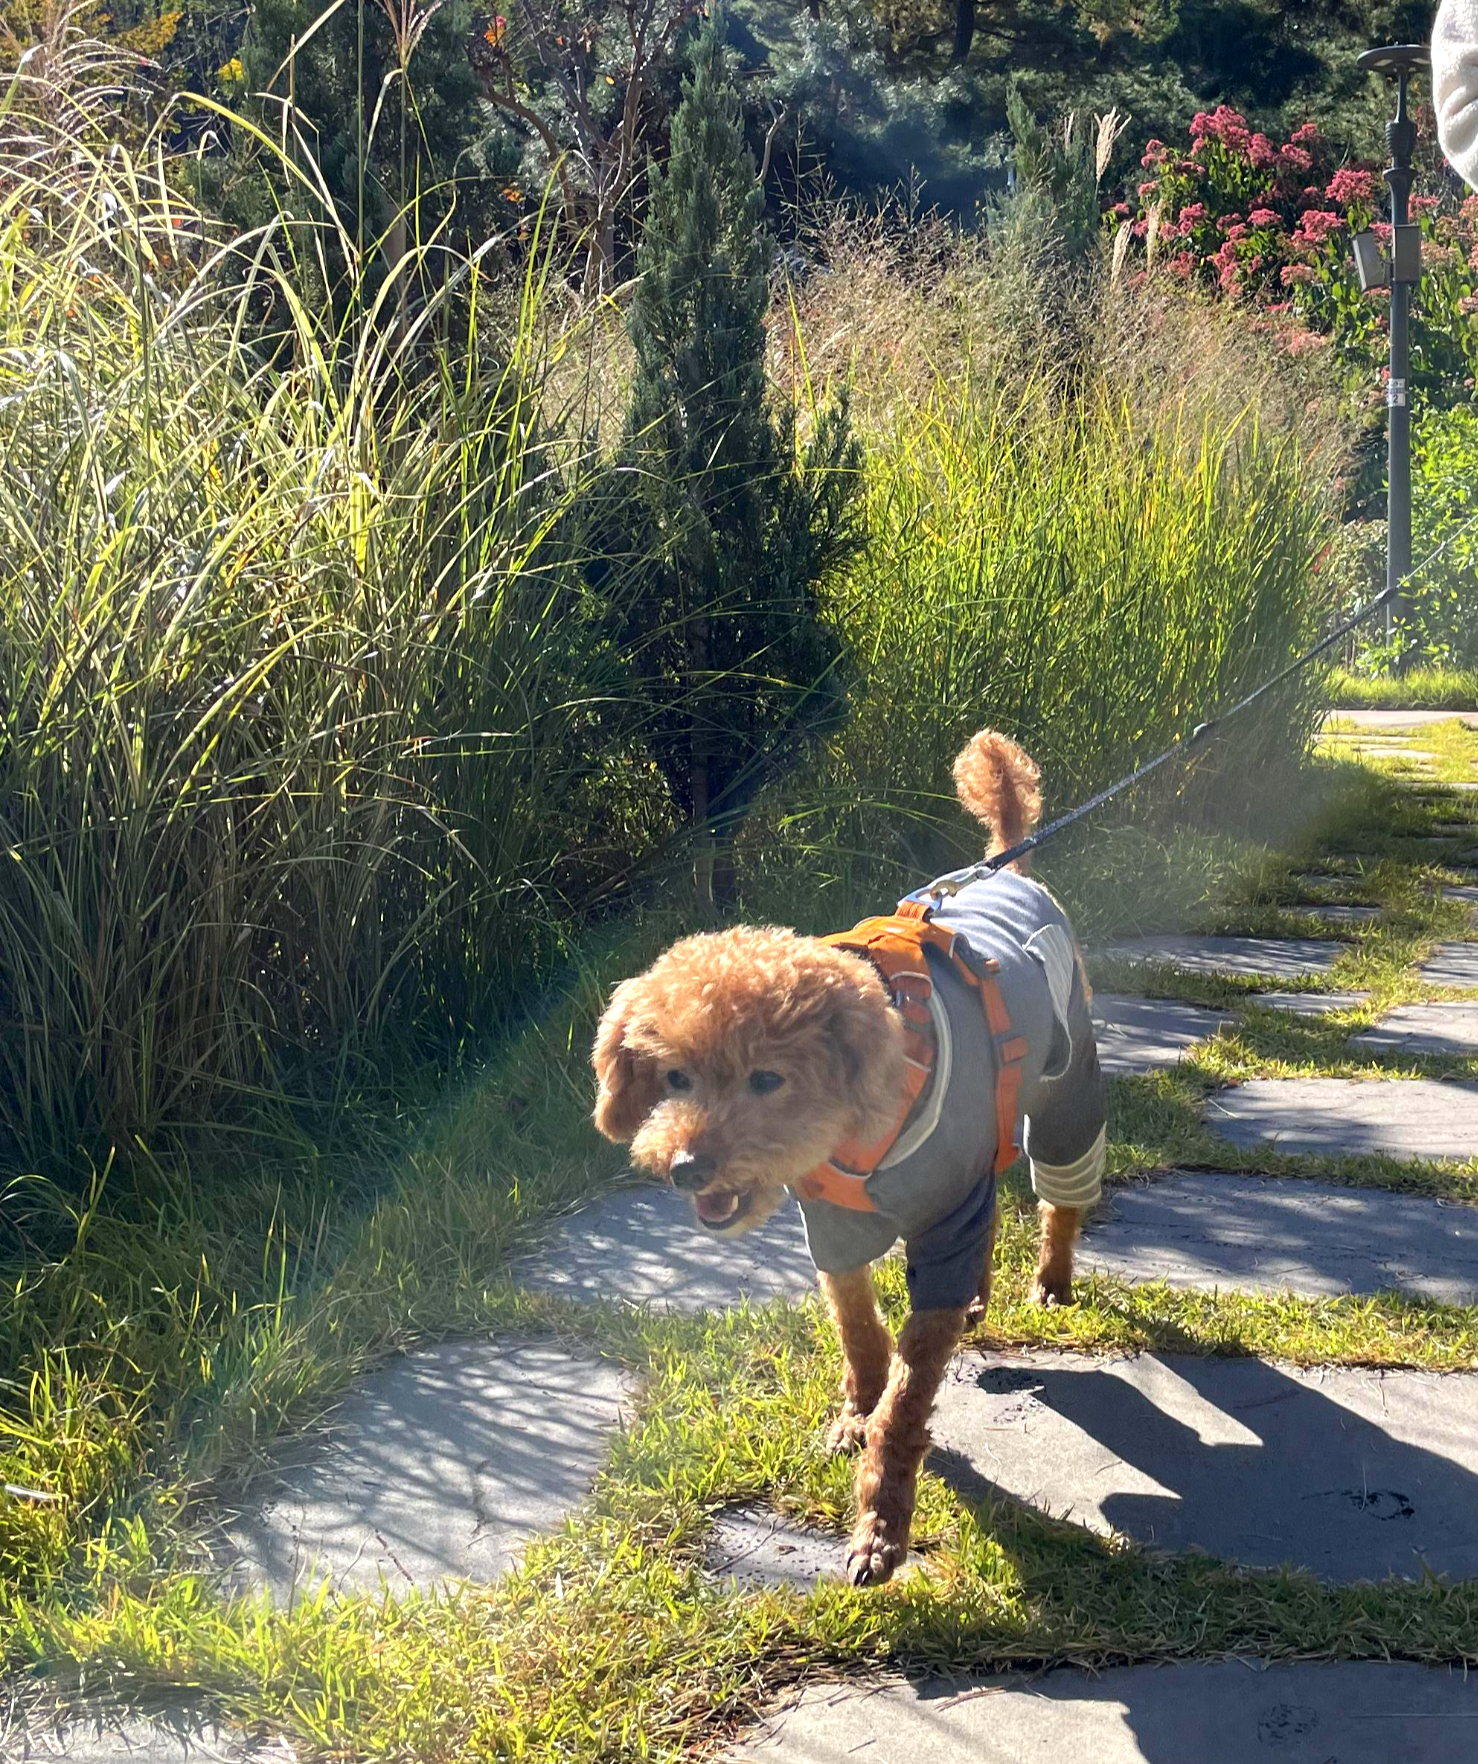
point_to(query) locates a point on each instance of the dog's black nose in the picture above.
(692, 1170)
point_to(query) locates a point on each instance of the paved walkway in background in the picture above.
(440, 1466)
(1400, 719)
(1206, 1712)
(1267, 1234)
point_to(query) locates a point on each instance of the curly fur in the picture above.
(1001, 787)
(721, 1006)
(718, 1008)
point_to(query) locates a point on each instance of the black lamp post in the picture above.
(1401, 272)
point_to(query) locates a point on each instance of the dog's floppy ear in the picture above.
(869, 1035)
(629, 1089)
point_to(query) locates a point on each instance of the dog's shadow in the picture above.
(1251, 1463)
(1244, 1460)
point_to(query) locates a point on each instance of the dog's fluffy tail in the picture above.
(1000, 786)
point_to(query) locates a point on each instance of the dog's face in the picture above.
(740, 1060)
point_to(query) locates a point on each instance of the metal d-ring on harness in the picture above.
(942, 887)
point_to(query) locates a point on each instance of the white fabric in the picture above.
(1052, 946)
(927, 1119)
(1078, 1184)
(1455, 84)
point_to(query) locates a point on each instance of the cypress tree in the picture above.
(737, 529)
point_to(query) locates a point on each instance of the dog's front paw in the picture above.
(1050, 1293)
(847, 1433)
(877, 1550)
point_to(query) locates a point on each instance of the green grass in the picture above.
(1419, 689)
(311, 755)
(609, 1643)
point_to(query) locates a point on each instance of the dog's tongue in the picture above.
(713, 1209)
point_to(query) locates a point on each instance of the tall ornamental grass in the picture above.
(293, 671)
(1094, 573)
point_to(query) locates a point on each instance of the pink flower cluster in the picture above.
(1351, 184)
(1316, 224)
(1269, 226)
(1304, 342)
(1223, 124)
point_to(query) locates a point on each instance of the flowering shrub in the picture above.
(1271, 225)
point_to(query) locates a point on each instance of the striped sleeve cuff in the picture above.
(1078, 1184)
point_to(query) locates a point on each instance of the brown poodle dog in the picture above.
(862, 1074)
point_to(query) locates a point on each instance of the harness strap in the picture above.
(896, 945)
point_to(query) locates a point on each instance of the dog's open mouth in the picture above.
(716, 1212)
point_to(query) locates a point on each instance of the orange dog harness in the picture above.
(895, 944)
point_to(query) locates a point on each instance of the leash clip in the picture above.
(946, 887)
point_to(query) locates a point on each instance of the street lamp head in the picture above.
(1395, 60)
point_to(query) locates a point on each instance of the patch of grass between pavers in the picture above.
(613, 1641)
(610, 1641)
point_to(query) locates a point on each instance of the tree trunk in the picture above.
(700, 764)
(964, 30)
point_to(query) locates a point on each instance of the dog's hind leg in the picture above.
(897, 1438)
(1054, 1280)
(867, 1349)
(980, 1304)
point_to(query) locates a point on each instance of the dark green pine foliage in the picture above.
(429, 130)
(738, 530)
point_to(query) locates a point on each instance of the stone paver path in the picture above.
(755, 1547)
(438, 1468)
(641, 1246)
(1466, 894)
(1204, 1712)
(1262, 1234)
(1276, 958)
(1309, 1004)
(1451, 964)
(176, 1737)
(1423, 1029)
(1414, 1118)
(1385, 750)
(1142, 1034)
(1341, 914)
(1400, 719)
(1350, 1473)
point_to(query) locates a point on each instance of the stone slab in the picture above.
(113, 1737)
(1423, 1029)
(1197, 1712)
(1351, 1473)
(1467, 895)
(1400, 719)
(641, 1246)
(1319, 879)
(1451, 964)
(752, 1546)
(1266, 1234)
(1309, 1004)
(1342, 914)
(1417, 1118)
(439, 1468)
(1277, 958)
(1145, 1034)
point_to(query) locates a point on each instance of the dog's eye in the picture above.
(762, 1083)
(678, 1080)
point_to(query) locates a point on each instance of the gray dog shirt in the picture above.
(936, 1188)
